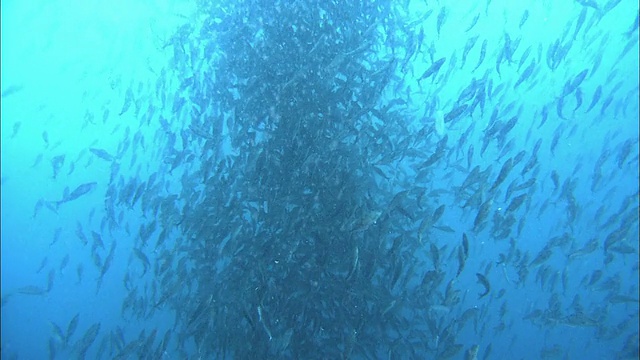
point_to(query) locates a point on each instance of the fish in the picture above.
(580, 22)
(264, 323)
(64, 262)
(525, 74)
(483, 53)
(354, 265)
(434, 68)
(468, 46)
(87, 339)
(127, 101)
(589, 3)
(516, 202)
(77, 192)
(102, 154)
(106, 265)
(444, 228)
(442, 16)
(56, 236)
(43, 263)
(58, 334)
(455, 113)
(50, 279)
(482, 280)
(437, 214)
(461, 261)
(435, 255)
(504, 172)
(31, 290)
(52, 348)
(571, 85)
(482, 215)
(472, 353)
(57, 162)
(596, 96)
(463, 254)
(71, 328)
(16, 128)
(80, 234)
(97, 240)
(633, 29)
(473, 23)
(365, 221)
(145, 261)
(11, 90)
(542, 256)
(79, 272)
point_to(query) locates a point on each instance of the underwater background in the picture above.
(319, 179)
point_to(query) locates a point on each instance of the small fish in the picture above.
(31, 290)
(461, 261)
(354, 265)
(16, 128)
(473, 23)
(56, 236)
(442, 16)
(483, 53)
(102, 154)
(11, 89)
(264, 324)
(437, 214)
(482, 280)
(525, 75)
(523, 19)
(45, 137)
(444, 228)
(79, 272)
(368, 219)
(57, 162)
(42, 264)
(571, 85)
(87, 339)
(78, 192)
(97, 240)
(80, 234)
(52, 277)
(64, 262)
(71, 328)
(145, 261)
(504, 172)
(127, 101)
(596, 96)
(434, 68)
(542, 256)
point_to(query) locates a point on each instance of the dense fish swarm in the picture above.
(335, 180)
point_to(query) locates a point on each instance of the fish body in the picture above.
(482, 280)
(102, 154)
(434, 68)
(483, 54)
(78, 192)
(504, 172)
(525, 75)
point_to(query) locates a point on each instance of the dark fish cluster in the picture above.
(292, 208)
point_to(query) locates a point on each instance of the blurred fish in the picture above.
(485, 283)
(11, 90)
(77, 192)
(102, 154)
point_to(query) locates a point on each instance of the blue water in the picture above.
(67, 67)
